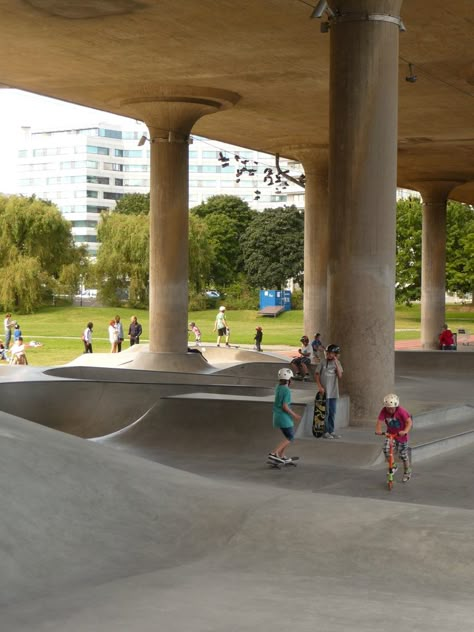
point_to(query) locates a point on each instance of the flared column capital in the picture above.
(313, 157)
(176, 108)
(374, 7)
(435, 191)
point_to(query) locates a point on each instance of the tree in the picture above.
(35, 246)
(123, 258)
(201, 253)
(227, 217)
(133, 204)
(273, 247)
(408, 261)
(460, 248)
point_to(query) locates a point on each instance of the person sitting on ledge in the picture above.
(446, 339)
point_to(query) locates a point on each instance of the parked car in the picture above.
(212, 294)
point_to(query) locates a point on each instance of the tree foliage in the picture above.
(36, 246)
(273, 247)
(227, 217)
(201, 253)
(408, 261)
(123, 258)
(133, 204)
(459, 249)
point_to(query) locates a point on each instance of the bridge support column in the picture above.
(170, 116)
(433, 259)
(362, 197)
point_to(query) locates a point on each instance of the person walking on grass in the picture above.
(87, 338)
(222, 327)
(284, 417)
(258, 338)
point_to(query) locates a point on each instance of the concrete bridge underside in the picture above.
(263, 75)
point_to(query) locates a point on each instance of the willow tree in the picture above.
(35, 245)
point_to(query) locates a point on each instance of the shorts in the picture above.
(289, 433)
(222, 331)
(299, 361)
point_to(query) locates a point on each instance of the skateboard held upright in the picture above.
(319, 423)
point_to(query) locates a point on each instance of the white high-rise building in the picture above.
(84, 171)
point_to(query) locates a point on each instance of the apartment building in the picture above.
(84, 171)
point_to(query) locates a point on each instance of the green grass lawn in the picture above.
(60, 328)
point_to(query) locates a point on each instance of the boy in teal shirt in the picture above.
(283, 416)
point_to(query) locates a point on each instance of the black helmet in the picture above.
(333, 349)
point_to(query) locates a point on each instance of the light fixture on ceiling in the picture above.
(143, 140)
(320, 9)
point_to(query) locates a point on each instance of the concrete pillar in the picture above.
(362, 197)
(170, 116)
(315, 163)
(433, 259)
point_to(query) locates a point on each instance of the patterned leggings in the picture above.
(400, 447)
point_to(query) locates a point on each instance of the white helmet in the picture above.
(391, 401)
(222, 308)
(285, 374)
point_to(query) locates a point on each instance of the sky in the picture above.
(23, 109)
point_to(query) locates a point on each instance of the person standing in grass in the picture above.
(134, 331)
(119, 328)
(8, 324)
(87, 338)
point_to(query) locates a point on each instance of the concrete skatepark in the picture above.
(137, 499)
(135, 496)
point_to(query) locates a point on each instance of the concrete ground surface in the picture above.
(170, 519)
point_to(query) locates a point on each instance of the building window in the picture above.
(85, 223)
(23, 153)
(109, 195)
(209, 154)
(113, 166)
(96, 209)
(118, 182)
(103, 151)
(128, 153)
(98, 180)
(92, 194)
(110, 133)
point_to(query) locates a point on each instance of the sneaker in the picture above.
(287, 459)
(327, 435)
(406, 476)
(217, 345)
(335, 436)
(274, 457)
(394, 468)
(227, 344)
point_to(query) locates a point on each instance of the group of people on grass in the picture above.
(115, 334)
(222, 328)
(13, 348)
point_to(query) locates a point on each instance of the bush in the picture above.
(240, 295)
(297, 299)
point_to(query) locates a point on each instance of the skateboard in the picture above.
(277, 465)
(319, 418)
